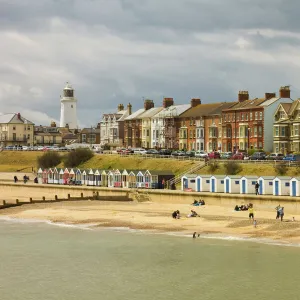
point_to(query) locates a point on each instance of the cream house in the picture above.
(15, 130)
(47, 135)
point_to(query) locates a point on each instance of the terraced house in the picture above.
(286, 128)
(248, 124)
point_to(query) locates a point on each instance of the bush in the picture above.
(252, 151)
(232, 167)
(213, 166)
(106, 147)
(77, 157)
(49, 159)
(281, 169)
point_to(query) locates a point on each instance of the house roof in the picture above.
(173, 111)
(200, 110)
(247, 104)
(13, 118)
(135, 114)
(219, 109)
(150, 112)
(286, 106)
(90, 130)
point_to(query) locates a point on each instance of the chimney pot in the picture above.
(148, 104)
(270, 95)
(285, 92)
(243, 96)
(195, 102)
(168, 102)
(129, 108)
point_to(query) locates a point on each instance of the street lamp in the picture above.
(248, 140)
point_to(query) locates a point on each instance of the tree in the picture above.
(281, 169)
(49, 159)
(77, 157)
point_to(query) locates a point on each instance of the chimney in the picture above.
(243, 96)
(120, 107)
(270, 95)
(195, 102)
(285, 92)
(129, 108)
(53, 124)
(148, 104)
(168, 102)
(19, 116)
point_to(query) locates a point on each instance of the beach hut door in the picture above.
(185, 183)
(227, 185)
(243, 186)
(294, 188)
(213, 189)
(260, 187)
(276, 188)
(198, 184)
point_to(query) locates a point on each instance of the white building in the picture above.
(112, 127)
(163, 127)
(68, 108)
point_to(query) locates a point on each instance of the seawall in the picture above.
(23, 192)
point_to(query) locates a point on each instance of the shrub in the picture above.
(281, 169)
(213, 166)
(49, 159)
(252, 151)
(106, 147)
(232, 167)
(77, 157)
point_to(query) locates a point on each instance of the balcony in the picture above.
(14, 139)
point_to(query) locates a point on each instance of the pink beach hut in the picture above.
(117, 178)
(45, 177)
(66, 176)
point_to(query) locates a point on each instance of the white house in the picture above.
(266, 185)
(203, 183)
(247, 184)
(217, 184)
(112, 127)
(163, 129)
(281, 186)
(295, 187)
(232, 184)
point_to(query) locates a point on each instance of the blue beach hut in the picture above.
(203, 183)
(247, 184)
(232, 184)
(295, 187)
(281, 186)
(266, 185)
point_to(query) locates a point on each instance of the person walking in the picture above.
(256, 188)
(281, 213)
(251, 212)
(278, 208)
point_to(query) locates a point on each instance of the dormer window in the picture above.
(282, 115)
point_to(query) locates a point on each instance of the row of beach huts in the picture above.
(105, 178)
(232, 184)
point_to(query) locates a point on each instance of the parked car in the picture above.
(292, 157)
(190, 153)
(258, 156)
(226, 155)
(214, 155)
(9, 147)
(238, 156)
(201, 153)
(152, 152)
(165, 152)
(275, 156)
(139, 151)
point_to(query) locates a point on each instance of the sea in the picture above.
(45, 261)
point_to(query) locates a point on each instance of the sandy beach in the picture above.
(213, 220)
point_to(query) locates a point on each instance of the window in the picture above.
(148, 132)
(201, 133)
(276, 131)
(256, 115)
(237, 117)
(259, 131)
(14, 127)
(251, 116)
(72, 106)
(282, 131)
(260, 145)
(192, 181)
(253, 182)
(271, 183)
(237, 182)
(83, 137)
(222, 181)
(246, 117)
(255, 131)
(207, 181)
(242, 116)
(282, 115)
(296, 130)
(260, 115)
(287, 184)
(202, 146)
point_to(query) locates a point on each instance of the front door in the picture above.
(227, 186)
(213, 187)
(294, 193)
(198, 185)
(276, 188)
(260, 187)
(185, 183)
(244, 186)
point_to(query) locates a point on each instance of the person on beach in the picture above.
(278, 208)
(15, 179)
(254, 223)
(251, 213)
(256, 188)
(281, 213)
(194, 235)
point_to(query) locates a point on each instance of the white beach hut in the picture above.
(110, 177)
(97, 178)
(84, 176)
(203, 183)
(104, 178)
(140, 180)
(50, 176)
(281, 186)
(125, 179)
(295, 187)
(78, 177)
(55, 176)
(217, 184)
(247, 184)
(232, 184)
(61, 176)
(90, 176)
(188, 182)
(266, 185)
(147, 179)
(40, 175)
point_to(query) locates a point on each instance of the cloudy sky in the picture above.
(119, 51)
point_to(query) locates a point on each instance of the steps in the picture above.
(192, 170)
(141, 195)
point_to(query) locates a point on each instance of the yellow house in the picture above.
(15, 130)
(146, 126)
(47, 135)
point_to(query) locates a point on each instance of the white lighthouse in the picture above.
(68, 110)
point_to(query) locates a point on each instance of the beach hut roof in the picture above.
(61, 171)
(233, 176)
(91, 172)
(40, 170)
(218, 176)
(204, 176)
(55, 170)
(250, 177)
(283, 177)
(78, 171)
(267, 177)
(124, 172)
(97, 172)
(190, 176)
(66, 170)
(296, 178)
(72, 171)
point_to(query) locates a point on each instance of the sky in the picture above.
(121, 51)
